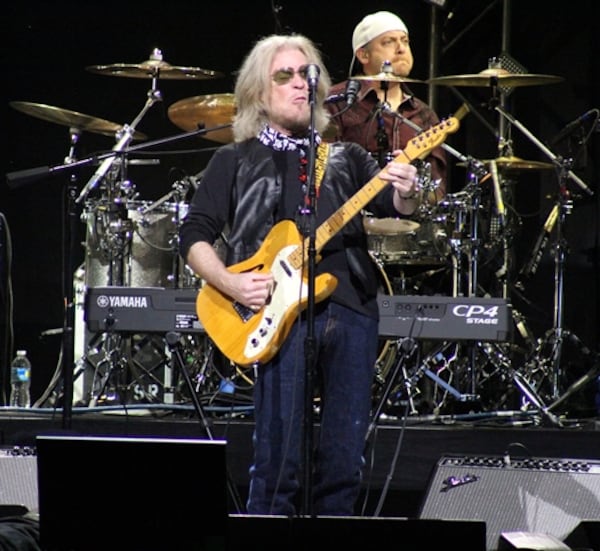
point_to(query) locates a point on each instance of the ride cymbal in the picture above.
(73, 119)
(209, 110)
(495, 77)
(515, 163)
(386, 77)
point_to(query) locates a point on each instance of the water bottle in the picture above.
(20, 381)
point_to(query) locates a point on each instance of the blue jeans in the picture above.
(345, 353)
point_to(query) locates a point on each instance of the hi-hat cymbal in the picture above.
(154, 68)
(73, 119)
(385, 77)
(210, 110)
(515, 163)
(495, 77)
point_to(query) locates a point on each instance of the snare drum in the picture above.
(401, 241)
(136, 250)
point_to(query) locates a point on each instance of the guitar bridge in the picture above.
(244, 312)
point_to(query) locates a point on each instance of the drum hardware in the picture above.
(409, 368)
(153, 68)
(465, 244)
(117, 229)
(548, 366)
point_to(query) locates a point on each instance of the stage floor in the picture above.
(401, 457)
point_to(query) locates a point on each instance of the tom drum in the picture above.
(135, 246)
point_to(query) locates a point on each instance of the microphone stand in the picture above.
(69, 231)
(309, 210)
(22, 177)
(560, 163)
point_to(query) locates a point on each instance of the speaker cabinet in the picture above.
(18, 478)
(544, 495)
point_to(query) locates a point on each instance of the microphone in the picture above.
(352, 89)
(538, 249)
(21, 177)
(349, 95)
(572, 125)
(312, 75)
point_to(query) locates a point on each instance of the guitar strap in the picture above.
(320, 164)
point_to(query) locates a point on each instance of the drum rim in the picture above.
(389, 226)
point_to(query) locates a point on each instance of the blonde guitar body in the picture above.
(249, 338)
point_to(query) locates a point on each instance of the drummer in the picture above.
(381, 47)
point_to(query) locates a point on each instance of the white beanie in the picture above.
(373, 25)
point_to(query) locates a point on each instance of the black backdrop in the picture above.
(47, 47)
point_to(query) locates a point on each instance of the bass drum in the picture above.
(136, 250)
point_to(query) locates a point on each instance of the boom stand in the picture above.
(557, 334)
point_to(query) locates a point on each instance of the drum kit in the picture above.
(452, 237)
(134, 242)
(131, 242)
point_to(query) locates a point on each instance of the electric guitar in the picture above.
(248, 338)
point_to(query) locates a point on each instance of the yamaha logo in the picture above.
(105, 301)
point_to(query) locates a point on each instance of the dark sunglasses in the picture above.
(284, 75)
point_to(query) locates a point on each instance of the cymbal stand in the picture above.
(69, 321)
(383, 142)
(556, 335)
(465, 241)
(124, 135)
(117, 240)
(554, 339)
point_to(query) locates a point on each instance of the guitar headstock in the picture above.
(422, 144)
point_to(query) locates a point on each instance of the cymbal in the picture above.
(516, 163)
(73, 119)
(385, 77)
(154, 68)
(388, 226)
(209, 110)
(495, 77)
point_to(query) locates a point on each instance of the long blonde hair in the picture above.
(254, 78)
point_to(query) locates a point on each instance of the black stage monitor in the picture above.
(99, 493)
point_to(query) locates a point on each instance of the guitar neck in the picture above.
(417, 148)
